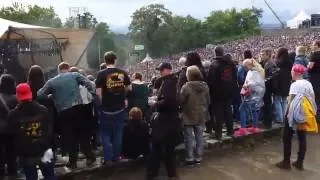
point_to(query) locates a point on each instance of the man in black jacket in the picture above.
(222, 81)
(271, 73)
(30, 123)
(165, 129)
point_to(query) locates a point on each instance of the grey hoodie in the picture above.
(195, 101)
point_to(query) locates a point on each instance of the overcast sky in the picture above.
(117, 12)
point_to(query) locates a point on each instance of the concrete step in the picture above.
(210, 144)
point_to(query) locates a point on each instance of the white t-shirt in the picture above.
(301, 87)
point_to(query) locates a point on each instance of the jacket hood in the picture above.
(197, 86)
(284, 63)
(224, 60)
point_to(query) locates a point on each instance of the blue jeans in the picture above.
(279, 107)
(191, 140)
(248, 108)
(47, 169)
(111, 130)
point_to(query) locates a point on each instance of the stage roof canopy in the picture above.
(6, 24)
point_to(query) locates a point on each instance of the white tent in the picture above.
(298, 19)
(5, 24)
(147, 59)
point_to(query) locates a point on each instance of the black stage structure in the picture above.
(20, 47)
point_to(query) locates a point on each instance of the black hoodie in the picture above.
(284, 77)
(30, 122)
(167, 127)
(222, 79)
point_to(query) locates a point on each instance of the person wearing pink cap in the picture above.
(30, 124)
(297, 118)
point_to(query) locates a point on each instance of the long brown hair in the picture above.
(35, 79)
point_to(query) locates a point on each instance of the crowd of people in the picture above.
(131, 118)
(289, 39)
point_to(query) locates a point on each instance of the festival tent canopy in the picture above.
(298, 19)
(73, 42)
(6, 24)
(147, 59)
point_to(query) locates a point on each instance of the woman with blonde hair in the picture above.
(252, 92)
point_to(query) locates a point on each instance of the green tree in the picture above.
(71, 23)
(232, 23)
(149, 26)
(186, 33)
(34, 15)
(103, 42)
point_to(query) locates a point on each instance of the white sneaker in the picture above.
(66, 169)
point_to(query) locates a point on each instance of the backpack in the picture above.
(310, 122)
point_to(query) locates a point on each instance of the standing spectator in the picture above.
(271, 71)
(222, 80)
(253, 97)
(112, 85)
(193, 58)
(7, 102)
(87, 107)
(206, 65)
(292, 56)
(195, 101)
(136, 138)
(103, 66)
(138, 97)
(300, 117)
(242, 72)
(314, 73)
(91, 78)
(36, 81)
(284, 80)
(302, 59)
(166, 128)
(210, 124)
(31, 124)
(67, 99)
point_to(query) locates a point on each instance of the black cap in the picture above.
(163, 66)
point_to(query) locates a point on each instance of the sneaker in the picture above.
(189, 163)
(298, 166)
(197, 162)
(241, 132)
(284, 165)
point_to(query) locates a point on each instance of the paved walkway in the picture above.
(235, 165)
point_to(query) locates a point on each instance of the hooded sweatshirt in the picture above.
(195, 100)
(222, 80)
(284, 77)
